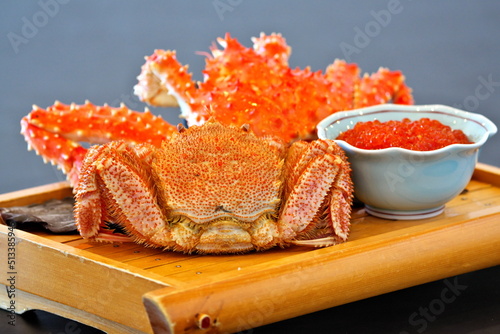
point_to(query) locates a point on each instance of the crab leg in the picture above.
(382, 87)
(321, 178)
(273, 47)
(165, 82)
(299, 156)
(65, 154)
(117, 183)
(305, 201)
(344, 78)
(55, 132)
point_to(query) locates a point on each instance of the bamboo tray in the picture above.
(127, 288)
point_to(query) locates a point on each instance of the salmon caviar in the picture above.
(421, 135)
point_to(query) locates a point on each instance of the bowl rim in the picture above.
(483, 121)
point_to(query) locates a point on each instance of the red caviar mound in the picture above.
(420, 135)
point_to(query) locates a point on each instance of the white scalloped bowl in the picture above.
(397, 183)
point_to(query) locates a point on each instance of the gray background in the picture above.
(93, 50)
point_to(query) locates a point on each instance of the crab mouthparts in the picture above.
(225, 236)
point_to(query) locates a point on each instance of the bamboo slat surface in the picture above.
(108, 285)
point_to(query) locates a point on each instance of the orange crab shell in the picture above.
(226, 177)
(57, 131)
(216, 189)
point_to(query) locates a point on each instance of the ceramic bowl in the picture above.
(397, 183)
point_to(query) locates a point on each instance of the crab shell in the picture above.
(215, 189)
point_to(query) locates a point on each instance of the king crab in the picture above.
(256, 86)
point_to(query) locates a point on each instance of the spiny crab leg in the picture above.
(273, 47)
(117, 181)
(381, 87)
(165, 82)
(65, 154)
(55, 132)
(321, 183)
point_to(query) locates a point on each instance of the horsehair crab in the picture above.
(215, 189)
(211, 188)
(256, 86)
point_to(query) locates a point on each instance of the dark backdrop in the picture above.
(72, 50)
(76, 50)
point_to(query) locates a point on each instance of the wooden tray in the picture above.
(128, 288)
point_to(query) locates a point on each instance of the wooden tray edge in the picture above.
(26, 301)
(282, 291)
(57, 190)
(487, 173)
(82, 254)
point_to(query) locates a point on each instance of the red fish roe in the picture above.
(421, 135)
